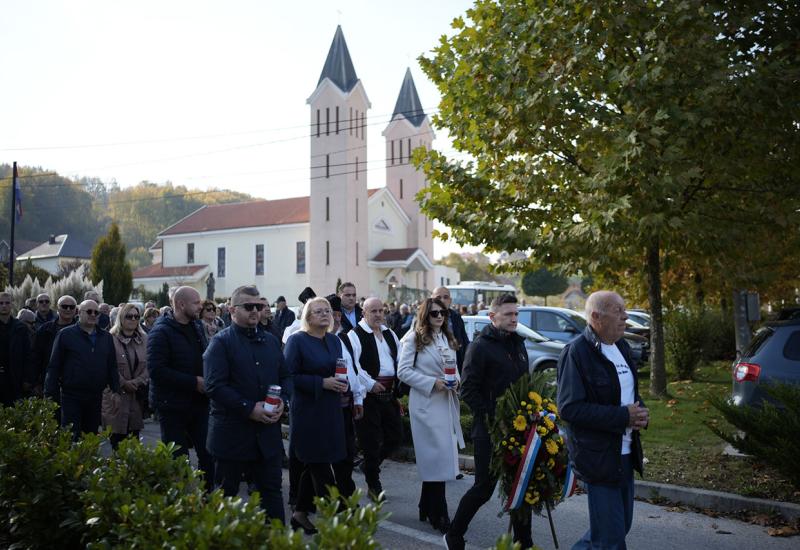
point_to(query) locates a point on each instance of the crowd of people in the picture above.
(219, 378)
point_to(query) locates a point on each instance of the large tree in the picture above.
(110, 266)
(614, 136)
(544, 283)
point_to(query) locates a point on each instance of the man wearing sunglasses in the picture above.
(175, 347)
(14, 349)
(43, 342)
(43, 312)
(241, 363)
(82, 365)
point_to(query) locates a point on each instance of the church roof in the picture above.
(159, 271)
(243, 214)
(408, 103)
(237, 215)
(338, 66)
(394, 254)
(58, 246)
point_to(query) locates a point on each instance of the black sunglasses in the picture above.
(251, 307)
(44, 301)
(91, 311)
(131, 316)
(67, 306)
(437, 313)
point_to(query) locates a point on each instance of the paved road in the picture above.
(653, 526)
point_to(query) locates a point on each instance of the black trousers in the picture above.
(432, 500)
(481, 491)
(82, 412)
(380, 432)
(189, 428)
(264, 473)
(116, 439)
(314, 481)
(343, 470)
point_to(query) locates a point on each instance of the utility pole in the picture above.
(13, 220)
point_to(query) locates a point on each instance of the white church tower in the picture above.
(338, 224)
(408, 130)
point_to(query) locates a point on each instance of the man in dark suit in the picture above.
(240, 364)
(456, 324)
(284, 317)
(351, 313)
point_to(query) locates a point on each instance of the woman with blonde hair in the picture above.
(123, 411)
(317, 437)
(433, 407)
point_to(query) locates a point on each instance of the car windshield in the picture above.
(758, 341)
(526, 332)
(579, 320)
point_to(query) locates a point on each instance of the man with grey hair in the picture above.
(598, 397)
(43, 341)
(83, 364)
(241, 363)
(375, 352)
(43, 311)
(14, 349)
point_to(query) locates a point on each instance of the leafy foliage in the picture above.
(543, 282)
(57, 494)
(110, 266)
(626, 140)
(771, 433)
(684, 340)
(76, 284)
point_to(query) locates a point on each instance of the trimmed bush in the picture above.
(684, 338)
(771, 433)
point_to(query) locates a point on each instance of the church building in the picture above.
(376, 238)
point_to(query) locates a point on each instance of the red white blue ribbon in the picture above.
(524, 471)
(569, 484)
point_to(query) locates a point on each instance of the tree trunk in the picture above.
(658, 371)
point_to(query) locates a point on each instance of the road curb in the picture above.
(690, 496)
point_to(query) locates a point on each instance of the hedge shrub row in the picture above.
(56, 494)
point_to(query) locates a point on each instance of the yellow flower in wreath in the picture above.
(552, 408)
(539, 475)
(536, 398)
(551, 463)
(552, 447)
(520, 424)
(542, 430)
(529, 498)
(549, 423)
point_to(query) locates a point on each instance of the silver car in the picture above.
(542, 352)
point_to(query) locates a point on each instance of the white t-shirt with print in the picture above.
(626, 394)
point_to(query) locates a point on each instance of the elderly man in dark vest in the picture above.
(375, 352)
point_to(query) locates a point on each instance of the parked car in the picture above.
(638, 316)
(562, 325)
(542, 352)
(772, 356)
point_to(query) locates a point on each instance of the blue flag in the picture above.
(18, 194)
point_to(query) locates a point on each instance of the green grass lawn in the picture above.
(681, 450)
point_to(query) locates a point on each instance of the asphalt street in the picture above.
(653, 526)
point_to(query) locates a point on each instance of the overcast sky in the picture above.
(200, 93)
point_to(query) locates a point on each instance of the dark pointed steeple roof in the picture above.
(408, 103)
(338, 66)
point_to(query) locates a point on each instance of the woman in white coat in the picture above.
(433, 407)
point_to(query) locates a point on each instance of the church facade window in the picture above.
(401, 189)
(317, 122)
(259, 259)
(327, 121)
(189, 253)
(300, 257)
(337, 120)
(221, 262)
(327, 209)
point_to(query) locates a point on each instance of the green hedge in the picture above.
(694, 336)
(56, 494)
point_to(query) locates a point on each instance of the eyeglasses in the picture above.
(443, 297)
(131, 317)
(437, 313)
(44, 301)
(5, 303)
(91, 311)
(251, 307)
(324, 312)
(210, 308)
(67, 306)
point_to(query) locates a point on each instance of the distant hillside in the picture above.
(53, 204)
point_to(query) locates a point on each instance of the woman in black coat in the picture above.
(317, 435)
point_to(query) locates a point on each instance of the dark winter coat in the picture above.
(589, 402)
(80, 368)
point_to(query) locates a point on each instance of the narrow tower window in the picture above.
(327, 209)
(409, 149)
(337, 120)
(317, 122)
(351, 121)
(356, 122)
(327, 121)
(327, 166)
(401, 189)
(356, 252)
(401, 150)
(356, 210)
(392, 151)
(327, 253)
(356, 168)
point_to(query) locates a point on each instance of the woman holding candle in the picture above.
(317, 435)
(429, 351)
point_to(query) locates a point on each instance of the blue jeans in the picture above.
(610, 512)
